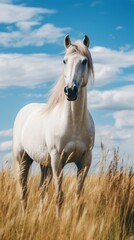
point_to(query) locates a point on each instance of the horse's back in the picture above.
(24, 113)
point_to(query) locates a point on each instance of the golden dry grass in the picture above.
(105, 210)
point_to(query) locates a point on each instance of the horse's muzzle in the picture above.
(71, 93)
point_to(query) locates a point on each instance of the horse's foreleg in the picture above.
(46, 177)
(24, 163)
(83, 168)
(57, 168)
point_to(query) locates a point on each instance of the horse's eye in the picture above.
(64, 61)
(84, 62)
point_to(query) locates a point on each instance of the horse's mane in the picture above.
(57, 93)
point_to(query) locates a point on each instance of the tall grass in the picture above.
(105, 210)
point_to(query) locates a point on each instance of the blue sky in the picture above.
(31, 52)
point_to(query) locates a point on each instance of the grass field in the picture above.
(105, 210)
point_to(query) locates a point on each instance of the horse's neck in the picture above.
(76, 110)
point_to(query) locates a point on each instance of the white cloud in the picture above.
(25, 26)
(129, 77)
(6, 133)
(124, 118)
(119, 28)
(125, 47)
(20, 21)
(117, 99)
(48, 33)
(95, 3)
(6, 1)
(14, 13)
(28, 70)
(119, 106)
(110, 64)
(6, 146)
(112, 138)
(105, 72)
(111, 133)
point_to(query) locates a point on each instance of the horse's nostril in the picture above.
(75, 89)
(65, 90)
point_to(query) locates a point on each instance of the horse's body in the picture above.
(60, 131)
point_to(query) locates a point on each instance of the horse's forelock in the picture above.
(84, 51)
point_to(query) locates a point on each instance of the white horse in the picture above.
(60, 131)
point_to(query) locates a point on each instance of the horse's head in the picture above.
(78, 66)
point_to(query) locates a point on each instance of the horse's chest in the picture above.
(74, 149)
(73, 138)
(75, 145)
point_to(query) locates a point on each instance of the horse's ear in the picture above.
(86, 41)
(67, 41)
